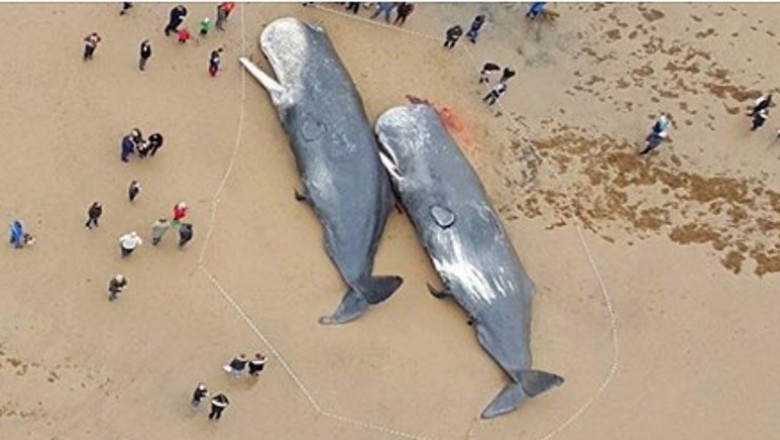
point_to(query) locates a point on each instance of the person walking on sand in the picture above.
(384, 8)
(116, 286)
(507, 74)
(177, 16)
(404, 11)
(200, 393)
(128, 147)
(218, 404)
(205, 26)
(146, 53)
(133, 190)
(91, 42)
(495, 94)
(762, 103)
(93, 215)
(223, 12)
(214, 61)
(476, 26)
(257, 364)
(129, 242)
(16, 234)
(487, 70)
(658, 132)
(237, 366)
(159, 228)
(185, 234)
(453, 34)
(759, 118)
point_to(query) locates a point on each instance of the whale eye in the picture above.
(442, 216)
(311, 129)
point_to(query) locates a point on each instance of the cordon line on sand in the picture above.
(277, 354)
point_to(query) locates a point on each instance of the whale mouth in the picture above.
(389, 161)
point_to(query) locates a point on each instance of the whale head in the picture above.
(404, 136)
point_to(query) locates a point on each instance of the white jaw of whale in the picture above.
(389, 161)
(271, 85)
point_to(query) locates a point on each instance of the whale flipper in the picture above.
(274, 88)
(532, 383)
(355, 302)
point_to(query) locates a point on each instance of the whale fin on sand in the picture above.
(532, 383)
(355, 302)
(274, 88)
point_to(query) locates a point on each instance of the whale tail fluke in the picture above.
(532, 383)
(379, 288)
(355, 302)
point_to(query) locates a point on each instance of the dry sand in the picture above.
(685, 240)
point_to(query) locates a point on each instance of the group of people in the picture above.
(498, 90)
(218, 402)
(176, 18)
(236, 367)
(453, 34)
(134, 142)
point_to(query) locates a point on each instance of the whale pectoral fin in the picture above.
(532, 383)
(274, 88)
(440, 293)
(379, 288)
(352, 306)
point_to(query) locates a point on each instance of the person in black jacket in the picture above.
(178, 14)
(185, 234)
(115, 286)
(93, 215)
(146, 53)
(453, 34)
(218, 404)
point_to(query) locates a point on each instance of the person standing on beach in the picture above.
(200, 393)
(91, 42)
(205, 26)
(133, 190)
(116, 286)
(16, 234)
(125, 8)
(495, 93)
(180, 211)
(128, 147)
(507, 74)
(223, 12)
(146, 53)
(762, 103)
(218, 404)
(183, 35)
(177, 16)
(354, 7)
(487, 70)
(404, 11)
(151, 146)
(214, 61)
(93, 215)
(185, 234)
(453, 34)
(159, 228)
(257, 364)
(536, 9)
(129, 242)
(384, 8)
(658, 133)
(476, 26)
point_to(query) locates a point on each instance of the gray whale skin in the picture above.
(336, 155)
(466, 242)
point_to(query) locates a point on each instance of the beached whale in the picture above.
(336, 154)
(466, 242)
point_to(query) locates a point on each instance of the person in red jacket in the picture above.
(223, 12)
(179, 212)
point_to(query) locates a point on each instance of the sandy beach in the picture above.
(655, 274)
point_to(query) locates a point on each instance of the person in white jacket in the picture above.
(128, 243)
